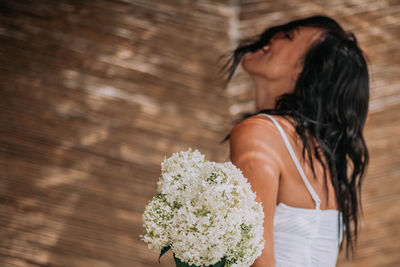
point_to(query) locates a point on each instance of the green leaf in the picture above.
(180, 263)
(221, 263)
(163, 251)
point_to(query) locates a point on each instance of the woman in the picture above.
(312, 91)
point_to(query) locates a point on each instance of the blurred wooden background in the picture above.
(94, 94)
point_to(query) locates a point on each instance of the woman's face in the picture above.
(280, 60)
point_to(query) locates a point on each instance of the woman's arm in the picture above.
(254, 150)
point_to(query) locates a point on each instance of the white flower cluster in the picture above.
(204, 211)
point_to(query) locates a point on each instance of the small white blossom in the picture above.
(204, 211)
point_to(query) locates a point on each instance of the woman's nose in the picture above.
(265, 48)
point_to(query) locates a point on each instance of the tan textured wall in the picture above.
(94, 94)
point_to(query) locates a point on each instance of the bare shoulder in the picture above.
(257, 128)
(256, 135)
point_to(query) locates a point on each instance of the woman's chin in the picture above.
(250, 68)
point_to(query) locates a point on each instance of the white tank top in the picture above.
(305, 237)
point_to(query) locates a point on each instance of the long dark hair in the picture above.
(330, 101)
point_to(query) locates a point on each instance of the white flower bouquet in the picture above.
(205, 212)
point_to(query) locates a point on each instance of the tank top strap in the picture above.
(298, 166)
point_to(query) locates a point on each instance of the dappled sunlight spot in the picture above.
(161, 144)
(214, 122)
(49, 235)
(107, 91)
(98, 92)
(150, 27)
(138, 62)
(241, 107)
(95, 103)
(147, 104)
(151, 110)
(95, 136)
(158, 144)
(124, 54)
(192, 66)
(130, 154)
(48, 230)
(68, 109)
(379, 104)
(72, 79)
(127, 215)
(52, 176)
(24, 247)
(123, 32)
(27, 202)
(237, 89)
(264, 154)
(250, 156)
